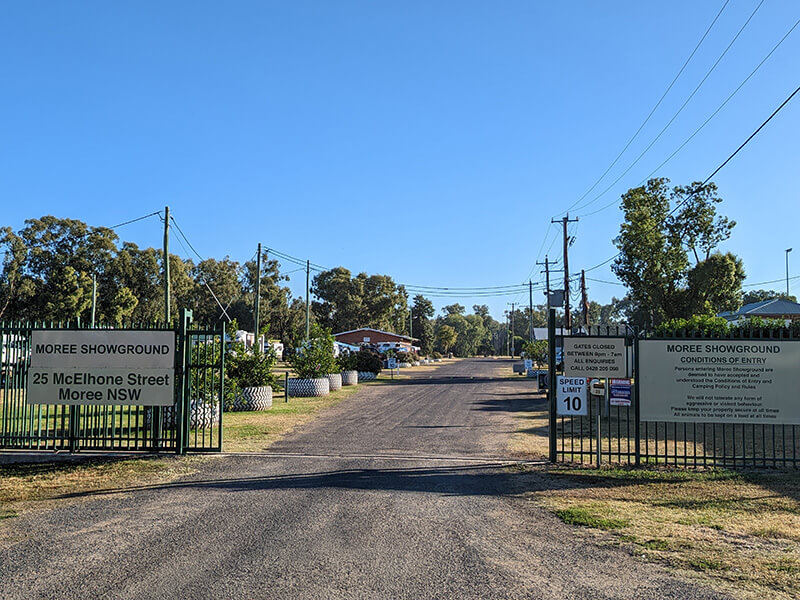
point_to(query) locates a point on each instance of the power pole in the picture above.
(94, 296)
(256, 311)
(508, 337)
(547, 264)
(564, 222)
(511, 334)
(585, 300)
(530, 311)
(308, 299)
(166, 265)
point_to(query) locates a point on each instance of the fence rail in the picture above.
(618, 435)
(192, 423)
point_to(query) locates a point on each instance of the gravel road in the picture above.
(398, 492)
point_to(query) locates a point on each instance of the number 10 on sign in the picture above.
(571, 396)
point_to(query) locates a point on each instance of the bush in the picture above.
(315, 358)
(436, 354)
(703, 324)
(536, 351)
(347, 361)
(367, 360)
(246, 368)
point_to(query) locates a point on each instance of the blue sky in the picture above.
(430, 141)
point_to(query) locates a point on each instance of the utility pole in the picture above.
(530, 311)
(584, 300)
(508, 337)
(308, 299)
(564, 222)
(787, 270)
(257, 307)
(547, 264)
(94, 296)
(166, 265)
(511, 333)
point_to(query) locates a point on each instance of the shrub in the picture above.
(367, 360)
(703, 324)
(246, 368)
(315, 358)
(436, 354)
(536, 351)
(347, 361)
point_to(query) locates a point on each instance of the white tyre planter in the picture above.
(253, 398)
(349, 377)
(366, 376)
(404, 365)
(417, 363)
(335, 381)
(309, 388)
(203, 415)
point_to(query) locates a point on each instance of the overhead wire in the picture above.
(652, 111)
(706, 122)
(675, 116)
(142, 218)
(717, 170)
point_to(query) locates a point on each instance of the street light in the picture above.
(787, 270)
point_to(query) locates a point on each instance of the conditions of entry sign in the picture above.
(594, 357)
(720, 381)
(102, 367)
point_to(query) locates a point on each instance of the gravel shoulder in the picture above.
(403, 491)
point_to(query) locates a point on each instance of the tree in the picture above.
(453, 309)
(663, 228)
(11, 280)
(445, 337)
(760, 295)
(421, 312)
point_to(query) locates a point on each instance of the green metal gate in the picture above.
(192, 423)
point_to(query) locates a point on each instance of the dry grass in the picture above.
(740, 529)
(24, 486)
(531, 438)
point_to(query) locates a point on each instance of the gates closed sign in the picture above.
(102, 367)
(720, 381)
(594, 357)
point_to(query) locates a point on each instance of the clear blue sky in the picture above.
(431, 141)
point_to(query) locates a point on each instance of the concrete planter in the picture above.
(253, 398)
(309, 388)
(335, 381)
(349, 377)
(366, 376)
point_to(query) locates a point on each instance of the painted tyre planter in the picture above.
(203, 414)
(253, 398)
(404, 365)
(309, 388)
(417, 363)
(334, 381)
(366, 376)
(349, 377)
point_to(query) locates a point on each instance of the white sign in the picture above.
(528, 364)
(102, 367)
(594, 357)
(391, 363)
(571, 396)
(720, 381)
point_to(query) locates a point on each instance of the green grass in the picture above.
(581, 516)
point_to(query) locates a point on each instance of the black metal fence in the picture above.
(617, 435)
(192, 423)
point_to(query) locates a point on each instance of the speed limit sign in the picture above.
(571, 396)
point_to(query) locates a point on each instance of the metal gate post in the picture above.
(72, 428)
(551, 387)
(182, 372)
(636, 407)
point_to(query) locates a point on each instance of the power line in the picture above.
(706, 122)
(675, 116)
(652, 111)
(718, 169)
(781, 280)
(142, 218)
